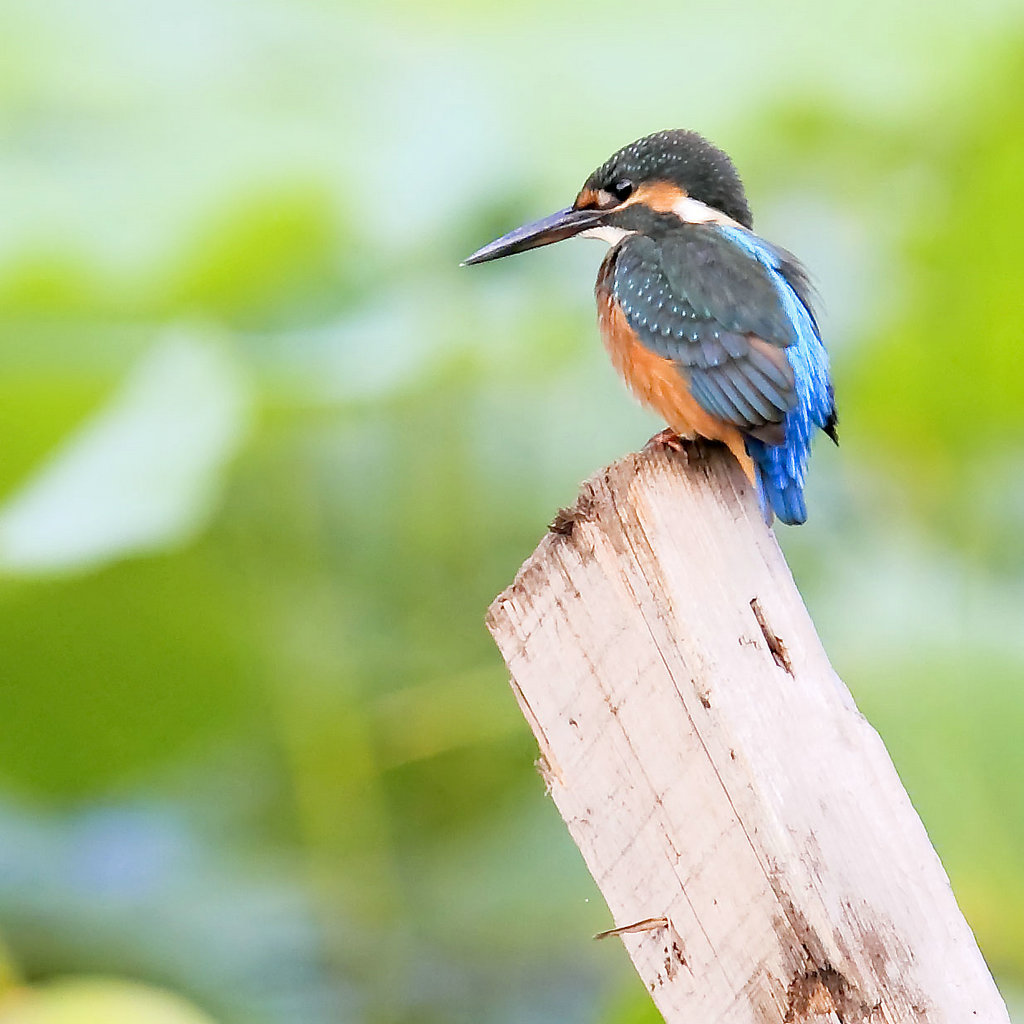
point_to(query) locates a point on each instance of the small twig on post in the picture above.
(744, 823)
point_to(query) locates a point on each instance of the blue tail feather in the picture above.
(780, 489)
(781, 468)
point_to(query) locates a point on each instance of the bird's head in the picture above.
(648, 186)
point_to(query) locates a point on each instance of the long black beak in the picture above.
(564, 224)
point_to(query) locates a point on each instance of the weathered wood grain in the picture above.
(760, 858)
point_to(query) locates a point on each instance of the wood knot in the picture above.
(820, 994)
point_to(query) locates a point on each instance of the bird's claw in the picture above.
(668, 438)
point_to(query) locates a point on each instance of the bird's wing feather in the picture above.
(703, 301)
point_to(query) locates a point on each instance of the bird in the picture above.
(711, 325)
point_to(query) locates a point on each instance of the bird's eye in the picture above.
(608, 197)
(622, 190)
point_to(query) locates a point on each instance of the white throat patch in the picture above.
(693, 211)
(606, 233)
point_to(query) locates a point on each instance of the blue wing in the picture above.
(733, 311)
(782, 467)
(697, 299)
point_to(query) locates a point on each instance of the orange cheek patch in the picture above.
(660, 196)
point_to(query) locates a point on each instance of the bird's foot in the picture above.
(668, 438)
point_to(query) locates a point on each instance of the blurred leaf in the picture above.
(51, 284)
(38, 408)
(141, 474)
(945, 383)
(150, 890)
(97, 1001)
(9, 976)
(264, 259)
(108, 674)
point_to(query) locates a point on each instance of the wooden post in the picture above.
(760, 858)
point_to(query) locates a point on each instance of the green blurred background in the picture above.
(267, 453)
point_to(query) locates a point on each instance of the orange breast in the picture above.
(659, 383)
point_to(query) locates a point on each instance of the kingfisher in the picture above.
(710, 325)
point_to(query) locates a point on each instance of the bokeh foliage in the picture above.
(268, 454)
